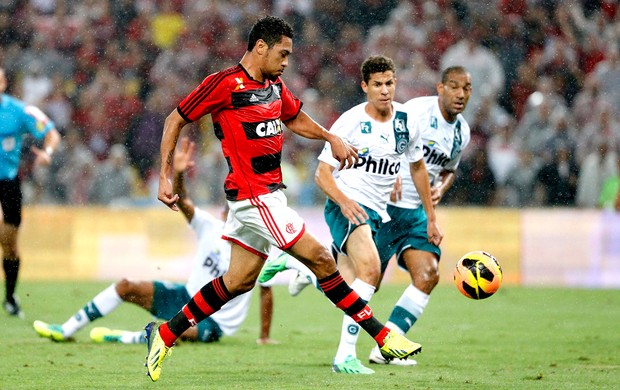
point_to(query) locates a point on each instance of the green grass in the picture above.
(521, 338)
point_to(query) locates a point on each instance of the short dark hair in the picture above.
(376, 64)
(270, 29)
(452, 69)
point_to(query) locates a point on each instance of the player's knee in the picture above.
(124, 288)
(239, 287)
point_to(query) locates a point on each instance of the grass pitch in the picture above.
(521, 338)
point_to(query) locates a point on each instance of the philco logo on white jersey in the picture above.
(383, 166)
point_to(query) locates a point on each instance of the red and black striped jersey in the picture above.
(247, 117)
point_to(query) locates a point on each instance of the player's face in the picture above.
(276, 58)
(380, 92)
(454, 94)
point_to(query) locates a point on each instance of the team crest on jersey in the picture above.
(401, 133)
(366, 127)
(290, 228)
(240, 85)
(363, 152)
(434, 122)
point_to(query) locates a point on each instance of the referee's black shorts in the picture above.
(11, 201)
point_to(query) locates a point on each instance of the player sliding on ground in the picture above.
(164, 299)
(248, 104)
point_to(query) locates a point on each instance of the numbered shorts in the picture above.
(340, 227)
(169, 298)
(406, 229)
(11, 201)
(258, 223)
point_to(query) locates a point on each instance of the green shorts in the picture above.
(340, 227)
(406, 229)
(169, 298)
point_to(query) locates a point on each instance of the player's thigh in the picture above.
(314, 255)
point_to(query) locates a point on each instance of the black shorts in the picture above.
(11, 201)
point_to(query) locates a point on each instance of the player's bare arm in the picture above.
(306, 127)
(419, 175)
(439, 189)
(349, 208)
(183, 161)
(172, 128)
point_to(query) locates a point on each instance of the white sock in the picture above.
(407, 310)
(133, 337)
(350, 329)
(101, 305)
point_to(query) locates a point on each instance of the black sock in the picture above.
(347, 300)
(11, 270)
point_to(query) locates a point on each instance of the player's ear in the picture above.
(440, 88)
(364, 86)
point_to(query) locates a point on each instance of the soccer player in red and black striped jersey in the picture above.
(248, 104)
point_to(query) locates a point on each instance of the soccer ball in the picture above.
(478, 275)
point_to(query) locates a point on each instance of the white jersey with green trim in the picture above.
(380, 147)
(443, 145)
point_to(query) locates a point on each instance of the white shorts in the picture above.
(258, 223)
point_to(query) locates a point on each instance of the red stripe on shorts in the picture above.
(244, 246)
(269, 221)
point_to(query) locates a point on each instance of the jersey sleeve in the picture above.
(211, 95)
(291, 105)
(341, 129)
(37, 123)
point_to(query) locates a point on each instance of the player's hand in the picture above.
(397, 190)
(165, 195)
(343, 152)
(434, 233)
(41, 156)
(436, 195)
(353, 212)
(183, 156)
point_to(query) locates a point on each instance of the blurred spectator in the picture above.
(602, 125)
(518, 189)
(557, 180)
(476, 184)
(114, 179)
(502, 151)
(597, 167)
(72, 169)
(609, 198)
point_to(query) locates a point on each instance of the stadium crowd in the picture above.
(544, 111)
